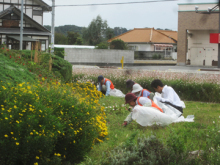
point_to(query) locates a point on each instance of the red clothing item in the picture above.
(111, 86)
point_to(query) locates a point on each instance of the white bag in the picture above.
(117, 93)
(148, 116)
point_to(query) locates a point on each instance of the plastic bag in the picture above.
(117, 93)
(148, 116)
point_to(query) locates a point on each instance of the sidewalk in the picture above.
(155, 62)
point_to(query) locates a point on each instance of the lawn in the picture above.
(193, 135)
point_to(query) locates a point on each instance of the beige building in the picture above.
(194, 30)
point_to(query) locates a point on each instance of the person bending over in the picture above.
(168, 95)
(105, 85)
(140, 92)
(133, 100)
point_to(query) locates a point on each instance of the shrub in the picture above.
(61, 69)
(190, 87)
(118, 44)
(49, 123)
(102, 45)
(147, 151)
(14, 72)
(155, 56)
(59, 52)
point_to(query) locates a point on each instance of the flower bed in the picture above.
(49, 123)
(189, 86)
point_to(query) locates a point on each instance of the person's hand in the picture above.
(158, 98)
(125, 123)
(129, 109)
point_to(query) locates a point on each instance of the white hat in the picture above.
(136, 88)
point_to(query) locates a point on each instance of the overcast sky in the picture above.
(158, 15)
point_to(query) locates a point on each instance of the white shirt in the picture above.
(144, 101)
(169, 95)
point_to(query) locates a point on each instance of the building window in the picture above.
(132, 47)
(38, 12)
(43, 45)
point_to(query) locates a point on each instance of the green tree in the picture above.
(79, 41)
(72, 38)
(96, 31)
(102, 45)
(60, 39)
(118, 44)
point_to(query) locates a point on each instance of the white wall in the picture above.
(200, 48)
(98, 56)
(142, 47)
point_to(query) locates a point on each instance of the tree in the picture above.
(118, 44)
(102, 45)
(60, 39)
(72, 37)
(96, 31)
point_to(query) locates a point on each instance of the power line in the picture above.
(121, 3)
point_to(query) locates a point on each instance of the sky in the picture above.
(158, 15)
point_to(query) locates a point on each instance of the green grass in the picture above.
(193, 134)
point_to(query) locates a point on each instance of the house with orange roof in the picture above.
(148, 41)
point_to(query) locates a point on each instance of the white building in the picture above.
(33, 23)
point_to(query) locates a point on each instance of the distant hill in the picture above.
(64, 29)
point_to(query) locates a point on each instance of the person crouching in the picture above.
(105, 85)
(133, 100)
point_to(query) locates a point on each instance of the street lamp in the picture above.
(21, 26)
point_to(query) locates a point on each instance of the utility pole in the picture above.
(21, 26)
(53, 27)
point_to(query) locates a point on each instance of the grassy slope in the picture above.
(192, 133)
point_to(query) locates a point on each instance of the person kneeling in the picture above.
(168, 95)
(133, 100)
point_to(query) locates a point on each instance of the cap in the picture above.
(129, 97)
(100, 78)
(129, 83)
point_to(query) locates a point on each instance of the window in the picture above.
(43, 45)
(38, 12)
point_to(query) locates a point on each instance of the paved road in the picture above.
(176, 68)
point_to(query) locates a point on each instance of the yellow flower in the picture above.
(12, 133)
(31, 133)
(37, 157)
(6, 118)
(6, 135)
(15, 106)
(36, 163)
(58, 154)
(17, 143)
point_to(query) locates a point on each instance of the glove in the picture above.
(158, 98)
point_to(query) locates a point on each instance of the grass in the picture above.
(193, 134)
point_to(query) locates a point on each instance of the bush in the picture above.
(59, 52)
(118, 44)
(190, 87)
(14, 72)
(147, 151)
(49, 123)
(61, 69)
(102, 45)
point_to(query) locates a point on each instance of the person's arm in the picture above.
(168, 96)
(100, 87)
(146, 93)
(108, 83)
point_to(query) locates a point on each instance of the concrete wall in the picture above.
(188, 19)
(98, 56)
